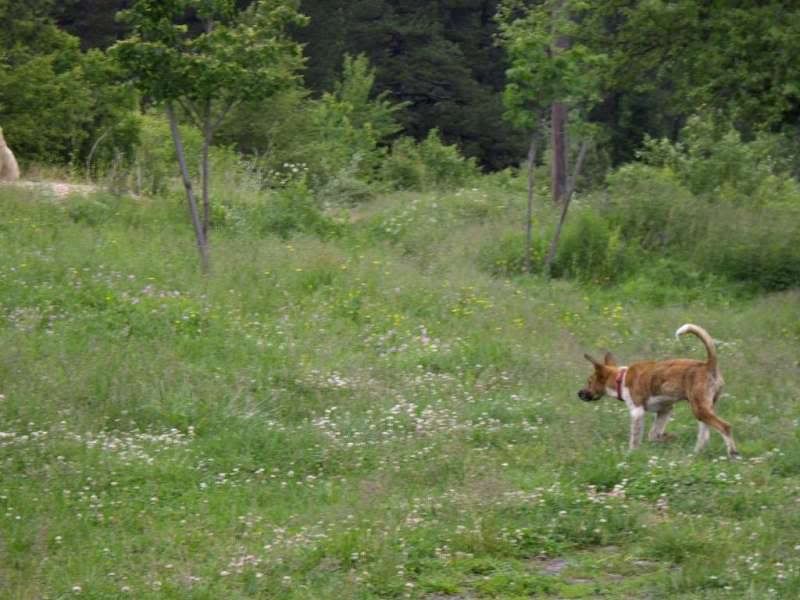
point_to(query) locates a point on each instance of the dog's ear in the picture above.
(591, 360)
(609, 360)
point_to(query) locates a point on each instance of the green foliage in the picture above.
(57, 104)
(346, 188)
(339, 139)
(593, 250)
(348, 128)
(505, 257)
(353, 93)
(712, 160)
(237, 56)
(669, 58)
(430, 164)
(113, 132)
(294, 210)
(90, 211)
(403, 168)
(273, 130)
(285, 212)
(155, 165)
(754, 243)
(541, 71)
(240, 56)
(437, 56)
(651, 206)
(663, 280)
(338, 143)
(756, 246)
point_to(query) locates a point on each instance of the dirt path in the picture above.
(59, 190)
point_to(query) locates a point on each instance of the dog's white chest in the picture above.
(658, 403)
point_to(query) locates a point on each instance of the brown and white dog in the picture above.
(655, 386)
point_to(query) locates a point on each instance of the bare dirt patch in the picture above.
(58, 190)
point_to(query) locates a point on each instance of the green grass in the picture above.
(367, 417)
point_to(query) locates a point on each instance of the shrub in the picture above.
(403, 168)
(650, 205)
(88, 210)
(592, 249)
(506, 257)
(155, 161)
(444, 165)
(284, 213)
(664, 280)
(429, 164)
(756, 246)
(58, 104)
(712, 160)
(339, 137)
(346, 188)
(348, 128)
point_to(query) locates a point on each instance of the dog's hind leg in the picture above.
(705, 414)
(659, 425)
(702, 436)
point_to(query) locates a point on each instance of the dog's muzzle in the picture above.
(587, 396)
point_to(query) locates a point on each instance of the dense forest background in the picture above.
(668, 60)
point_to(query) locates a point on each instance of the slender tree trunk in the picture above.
(558, 122)
(558, 174)
(551, 254)
(529, 220)
(93, 150)
(207, 134)
(202, 244)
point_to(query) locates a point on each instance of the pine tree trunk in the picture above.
(202, 244)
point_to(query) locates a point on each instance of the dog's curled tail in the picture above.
(708, 342)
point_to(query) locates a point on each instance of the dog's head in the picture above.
(602, 375)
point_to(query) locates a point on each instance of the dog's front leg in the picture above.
(657, 433)
(637, 426)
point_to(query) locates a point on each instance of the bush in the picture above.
(506, 257)
(155, 162)
(346, 188)
(402, 168)
(713, 161)
(756, 246)
(444, 165)
(754, 242)
(592, 249)
(663, 280)
(58, 104)
(649, 205)
(427, 165)
(339, 137)
(88, 210)
(283, 213)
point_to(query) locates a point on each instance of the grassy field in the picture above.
(370, 416)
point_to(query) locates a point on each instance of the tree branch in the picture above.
(551, 254)
(231, 105)
(190, 111)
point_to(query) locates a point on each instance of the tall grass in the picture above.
(364, 415)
